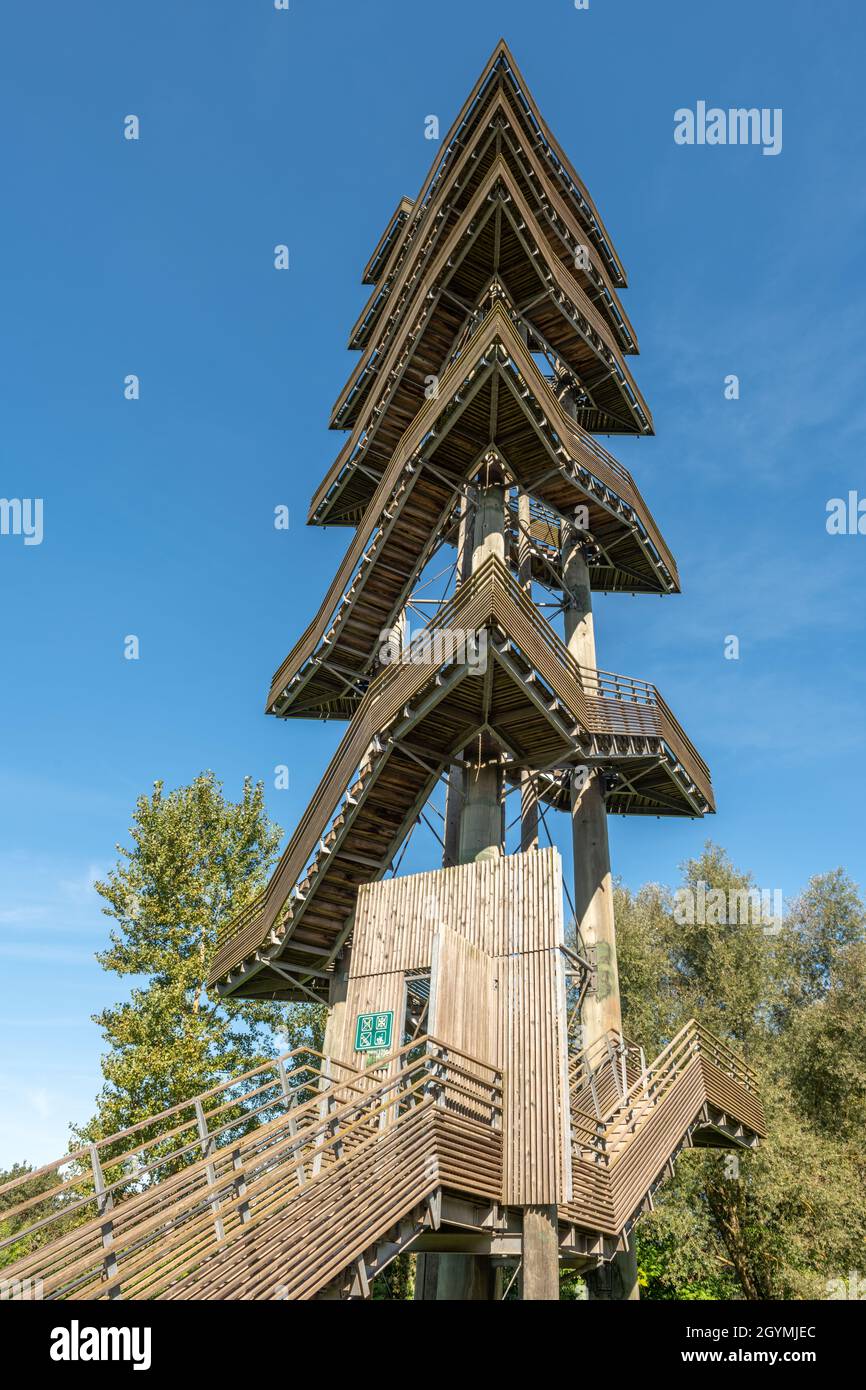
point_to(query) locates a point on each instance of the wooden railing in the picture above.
(189, 1202)
(603, 1071)
(134, 1213)
(601, 1136)
(611, 703)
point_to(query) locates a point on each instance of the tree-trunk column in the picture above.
(454, 793)
(528, 788)
(593, 887)
(470, 1278)
(481, 818)
(539, 1275)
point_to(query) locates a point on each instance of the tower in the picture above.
(493, 351)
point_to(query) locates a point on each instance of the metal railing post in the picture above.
(643, 1074)
(207, 1148)
(240, 1188)
(324, 1110)
(104, 1205)
(623, 1064)
(284, 1082)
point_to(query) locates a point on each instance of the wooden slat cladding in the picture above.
(420, 903)
(491, 933)
(536, 1127)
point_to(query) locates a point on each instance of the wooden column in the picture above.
(539, 1276)
(465, 1279)
(481, 818)
(593, 887)
(426, 1276)
(593, 901)
(470, 1278)
(337, 990)
(454, 794)
(528, 791)
(539, 1279)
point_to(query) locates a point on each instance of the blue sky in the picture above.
(155, 257)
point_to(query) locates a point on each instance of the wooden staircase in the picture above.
(305, 1177)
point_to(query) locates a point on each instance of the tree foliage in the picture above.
(196, 859)
(782, 1222)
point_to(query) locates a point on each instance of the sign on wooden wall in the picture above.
(374, 1031)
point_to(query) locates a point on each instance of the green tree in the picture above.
(11, 1226)
(824, 921)
(825, 1054)
(196, 859)
(782, 1221)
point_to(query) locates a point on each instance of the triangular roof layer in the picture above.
(516, 250)
(492, 398)
(502, 73)
(431, 327)
(499, 135)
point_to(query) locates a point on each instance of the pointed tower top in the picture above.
(501, 64)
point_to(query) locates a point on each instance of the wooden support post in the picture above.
(454, 796)
(325, 1131)
(335, 1028)
(465, 1279)
(540, 1269)
(241, 1188)
(593, 886)
(426, 1276)
(528, 791)
(489, 532)
(481, 819)
(470, 1277)
(481, 822)
(290, 1102)
(615, 1282)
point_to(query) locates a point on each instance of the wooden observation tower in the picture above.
(493, 350)
(476, 1102)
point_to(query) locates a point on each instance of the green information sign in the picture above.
(373, 1032)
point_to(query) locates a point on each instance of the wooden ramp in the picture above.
(304, 1178)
